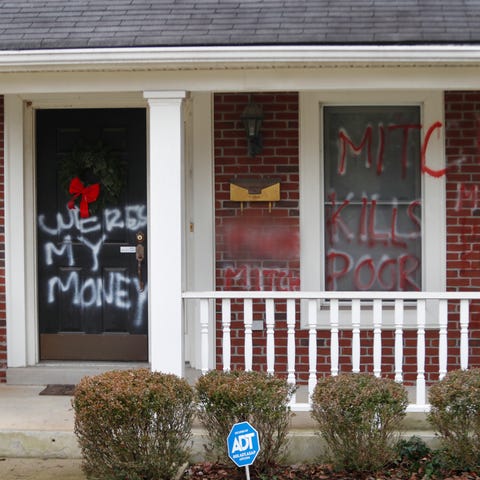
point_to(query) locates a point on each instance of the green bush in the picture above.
(226, 398)
(417, 460)
(455, 414)
(358, 416)
(133, 424)
(413, 451)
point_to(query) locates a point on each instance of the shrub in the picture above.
(133, 424)
(415, 457)
(412, 451)
(358, 417)
(455, 414)
(226, 398)
(417, 460)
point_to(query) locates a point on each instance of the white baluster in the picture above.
(312, 346)
(226, 344)
(291, 345)
(270, 323)
(421, 320)
(204, 353)
(398, 340)
(464, 319)
(377, 337)
(248, 322)
(442, 345)
(356, 335)
(334, 350)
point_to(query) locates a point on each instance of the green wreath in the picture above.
(95, 164)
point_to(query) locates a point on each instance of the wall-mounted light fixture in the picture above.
(252, 118)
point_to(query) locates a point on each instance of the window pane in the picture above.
(372, 198)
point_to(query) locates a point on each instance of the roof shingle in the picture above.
(41, 24)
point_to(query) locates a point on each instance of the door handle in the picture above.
(140, 255)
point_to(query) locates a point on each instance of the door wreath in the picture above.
(93, 174)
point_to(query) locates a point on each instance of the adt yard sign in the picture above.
(243, 444)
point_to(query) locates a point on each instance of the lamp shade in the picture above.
(252, 118)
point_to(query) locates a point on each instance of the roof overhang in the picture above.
(192, 58)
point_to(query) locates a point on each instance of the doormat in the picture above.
(58, 390)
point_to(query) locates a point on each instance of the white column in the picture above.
(291, 345)
(227, 343)
(312, 346)
(334, 348)
(204, 336)
(356, 312)
(399, 340)
(377, 337)
(464, 318)
(165, 231)
(421, 320)
(270, 324)
(15, 240)
(248, 322)
(442, 340)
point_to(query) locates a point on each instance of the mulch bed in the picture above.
(218, 471)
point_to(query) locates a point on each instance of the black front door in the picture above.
(92, 232)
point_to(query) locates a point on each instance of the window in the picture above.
(369, 218)
(372, 197)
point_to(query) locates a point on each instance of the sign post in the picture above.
(243, 445)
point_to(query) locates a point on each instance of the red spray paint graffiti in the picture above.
(346, 144)
(390, 273)
(254, 242)
(249, 277)
(368, 232)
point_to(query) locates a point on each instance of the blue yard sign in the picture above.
(243, 445)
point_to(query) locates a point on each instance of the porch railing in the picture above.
(369, 318)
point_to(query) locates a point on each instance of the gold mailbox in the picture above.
(265, 189)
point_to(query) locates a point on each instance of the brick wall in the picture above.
(462, 134)
(257, 244)
(257, 249)
(3, 327)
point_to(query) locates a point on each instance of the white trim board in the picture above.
(198, 57)
(263, 78)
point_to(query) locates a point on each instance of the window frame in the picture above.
(352, 141)
(312, 215)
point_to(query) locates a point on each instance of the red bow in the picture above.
(89, 194)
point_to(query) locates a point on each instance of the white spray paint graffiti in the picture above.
(94, 291)
(94, 248)
(65, 248)
(132, 217)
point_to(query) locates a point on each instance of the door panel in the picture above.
(90, 301)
